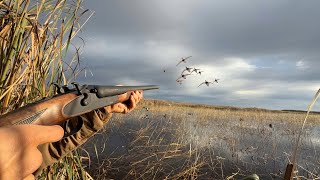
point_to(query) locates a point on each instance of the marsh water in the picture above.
(156, 145)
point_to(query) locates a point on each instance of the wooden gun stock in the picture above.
(45, 112)
(64, 106)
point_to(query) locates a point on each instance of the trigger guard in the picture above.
(74, 130)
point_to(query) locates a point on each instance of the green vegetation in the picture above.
(35, 39)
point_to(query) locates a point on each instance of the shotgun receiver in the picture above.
(68, 103)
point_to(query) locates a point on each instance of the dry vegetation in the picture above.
(229, 112)
(170, 141)
(167, 140)
(35, 38)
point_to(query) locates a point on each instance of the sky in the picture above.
(265, 53)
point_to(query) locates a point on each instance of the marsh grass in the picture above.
(35, 39)
(294, 169)
(172, 141)
(183, 141)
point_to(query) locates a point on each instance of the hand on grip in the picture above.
(19, 156)
(127, 106)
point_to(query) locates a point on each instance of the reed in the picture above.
(35, 39)
(170, 140)
(293, 164)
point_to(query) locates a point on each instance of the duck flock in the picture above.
(188, 71)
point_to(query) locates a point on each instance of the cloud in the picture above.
(301, 65)
(149, 51)
(253, 93)
(265, 53)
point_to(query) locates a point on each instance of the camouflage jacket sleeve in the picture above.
(92, 123)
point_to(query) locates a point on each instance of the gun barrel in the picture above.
(105, 91)
(65, 106)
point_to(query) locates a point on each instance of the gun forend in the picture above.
(105, 91)
(71, 103)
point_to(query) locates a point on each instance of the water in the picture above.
(155, 145)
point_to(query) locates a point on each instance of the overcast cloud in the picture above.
(266, 54)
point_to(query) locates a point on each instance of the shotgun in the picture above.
(69, 103)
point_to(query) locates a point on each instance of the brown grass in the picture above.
(228, 112)
(35, 38)
(169, 140)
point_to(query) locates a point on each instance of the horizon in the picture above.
(266, 54)
(226, 106)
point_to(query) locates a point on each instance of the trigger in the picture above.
(69, 128)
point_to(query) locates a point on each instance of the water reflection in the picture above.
(220, 146)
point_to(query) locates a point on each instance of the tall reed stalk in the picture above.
(34, 40)
(35, 36)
